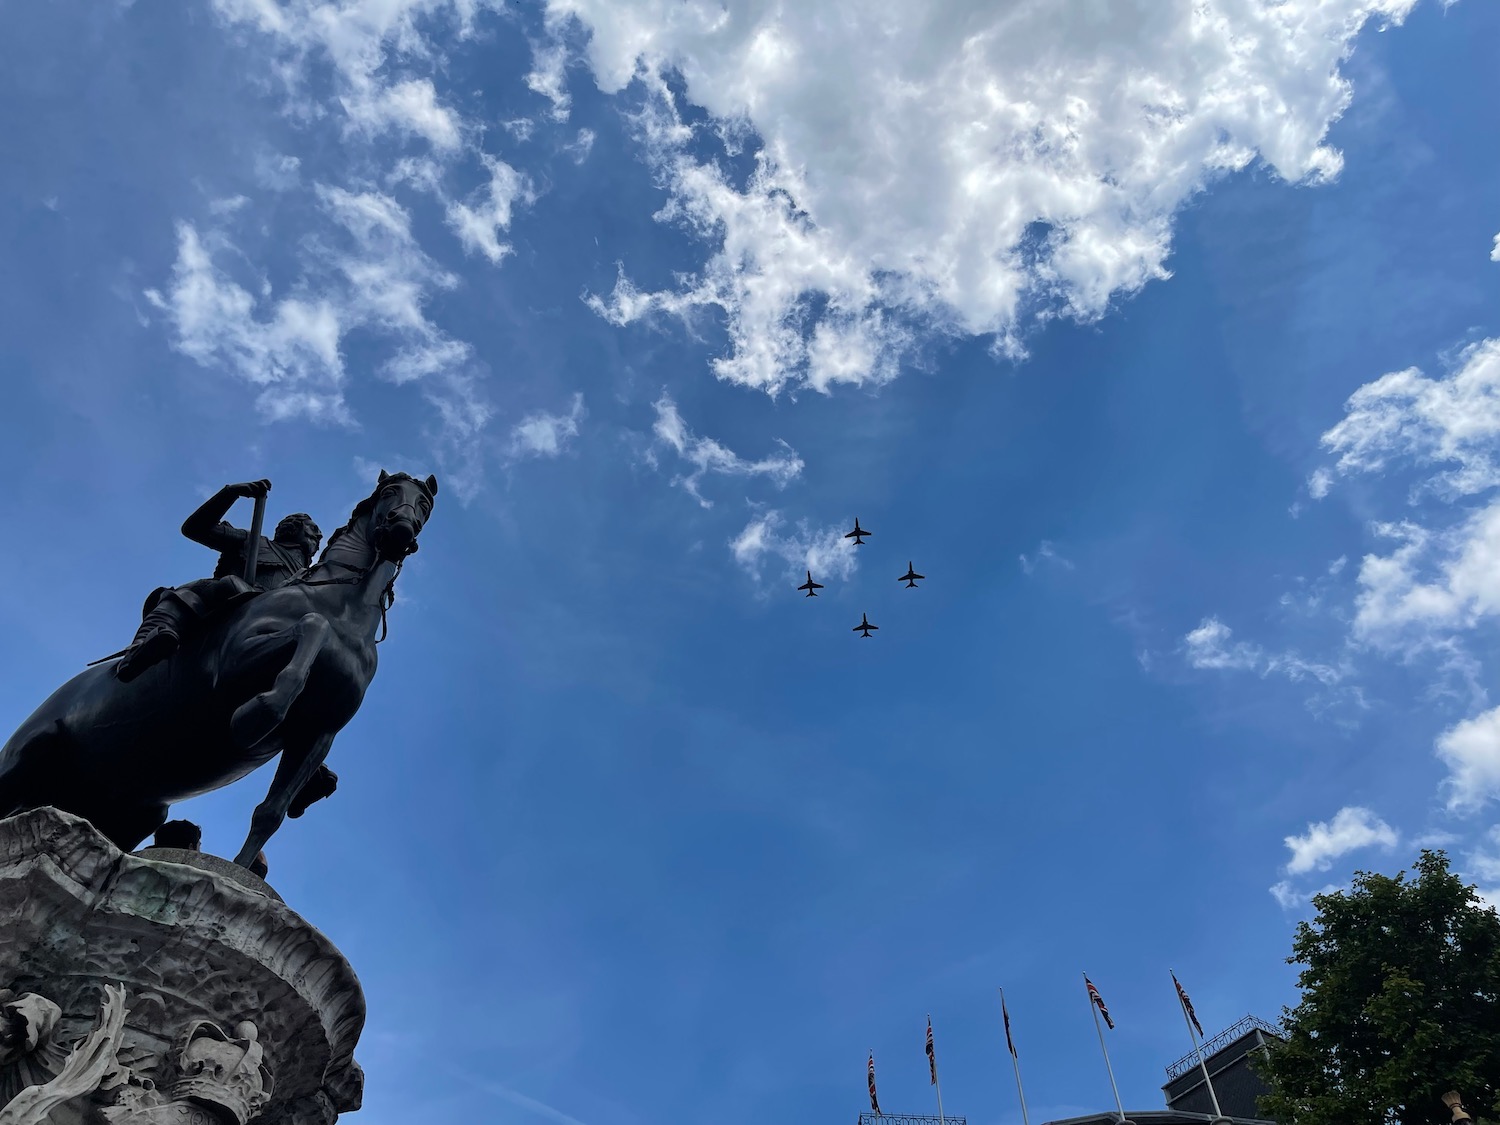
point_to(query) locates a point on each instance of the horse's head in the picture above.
(400, 506)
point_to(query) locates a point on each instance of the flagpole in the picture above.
(1097, 1027)
(1015, 1063)
(1207, 1081)
(936, 1084)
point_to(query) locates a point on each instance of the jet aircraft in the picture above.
(910, 577)
(864, 626)
(810, 586)
(857, 533)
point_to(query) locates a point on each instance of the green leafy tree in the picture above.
(1400, 1003)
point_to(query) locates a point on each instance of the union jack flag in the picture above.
(1187, 1005)
(874, 1101)
(1009, 1042)
(1099, 1002)
(931, 1055)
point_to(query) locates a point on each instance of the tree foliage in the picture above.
(1400, 1003)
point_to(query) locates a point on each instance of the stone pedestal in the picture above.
(163, 987)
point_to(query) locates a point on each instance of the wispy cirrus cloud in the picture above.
(825, 552)
(1212, 646)
(480, 222)
(366, 272)
(1047, 553)
(543, 434)
(707, 456)
(375, 48)
(360, 265)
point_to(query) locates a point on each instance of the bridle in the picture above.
(387, 596)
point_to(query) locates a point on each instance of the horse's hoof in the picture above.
(253, 720)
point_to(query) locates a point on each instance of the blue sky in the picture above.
(1164, 347)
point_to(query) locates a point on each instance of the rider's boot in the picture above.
(156, 639)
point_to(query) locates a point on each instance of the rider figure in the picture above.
(172, 612)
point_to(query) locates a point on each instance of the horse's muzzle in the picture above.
(395, 537)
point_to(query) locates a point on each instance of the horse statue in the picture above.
(279, 672)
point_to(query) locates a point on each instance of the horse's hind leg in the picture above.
(296, 768)
(258, 716)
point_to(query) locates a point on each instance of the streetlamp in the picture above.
(1454, 1101)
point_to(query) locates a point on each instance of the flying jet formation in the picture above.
(910, 577)
(810, 586)
(857, 533)
(864, 626)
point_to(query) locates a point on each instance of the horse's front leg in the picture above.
(261, 714)
(296, 768)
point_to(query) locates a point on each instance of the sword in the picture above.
(252, 544)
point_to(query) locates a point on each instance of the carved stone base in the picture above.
(144, 990)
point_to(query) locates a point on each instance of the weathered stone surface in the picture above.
(205, 862)
(193, 950)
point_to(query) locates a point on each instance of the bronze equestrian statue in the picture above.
(245, 673)
(172, 610)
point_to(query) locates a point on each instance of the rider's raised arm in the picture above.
(207, 525)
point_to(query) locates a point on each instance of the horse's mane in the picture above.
(367, 505)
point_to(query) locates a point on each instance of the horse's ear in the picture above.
(431, 485)
(383, 476)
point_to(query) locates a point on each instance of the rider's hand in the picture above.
(254, 490)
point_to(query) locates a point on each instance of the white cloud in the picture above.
(227, 206)
(581, 145)
(1471, 751)
(956, 165)
(478, 227)
(1047, 553)
(1434, 840)
(1288, 898)
(291, 351)
(822, 551)
(1350, 829)
(1284, 895)
(546, 435)
(277, 171)
(1484, 866)
(549, 78)
(409, 107)
(366, 273)
(371, 44)
(1450, 421)
(1495, 250)
(1208, 646)
(708, 456)
(1432, 585)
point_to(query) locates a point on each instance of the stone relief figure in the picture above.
(80, 1074)
(222, 1078)
(264, 673)
(29, 1055)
